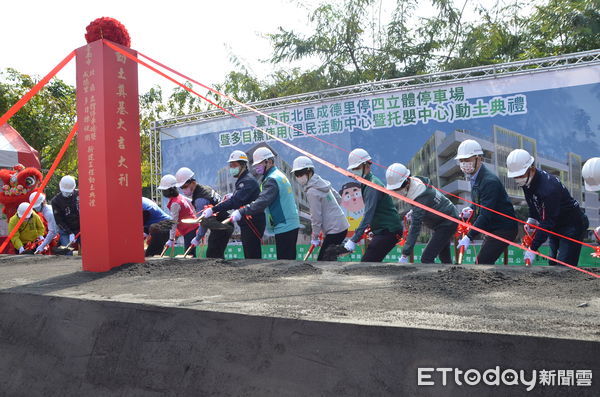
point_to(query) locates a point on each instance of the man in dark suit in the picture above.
(486, 191)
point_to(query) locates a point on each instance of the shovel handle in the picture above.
(310, 251)
(188, 250)
(461, 252)
(163, 251)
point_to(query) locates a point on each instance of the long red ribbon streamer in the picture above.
(344, 171)
(347, 151)
(35, 89)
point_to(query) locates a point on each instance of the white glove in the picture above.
(466, 213)
(528, 228)
(316, 242)
(39, 250)
(350, 245)
(207, 213)
(21, 250)
(226, 197)
(195, 242)
(40, 238)
(464, 242)
(403, 259)
(408, 215)
(170, 243)
(528, 256)
(146, 235)
(236, 216)
(71, 238)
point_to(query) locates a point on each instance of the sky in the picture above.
(193, 37)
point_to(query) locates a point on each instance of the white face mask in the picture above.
(187, 191)
(67, 194)
(303, 180)
(468, 167)
(521, 181)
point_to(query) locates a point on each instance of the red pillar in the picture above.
(108, 158)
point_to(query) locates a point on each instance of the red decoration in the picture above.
(109, 29)
(17, 185)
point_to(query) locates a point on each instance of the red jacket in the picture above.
(186, 211)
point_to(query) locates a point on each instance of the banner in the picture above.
(553, 114)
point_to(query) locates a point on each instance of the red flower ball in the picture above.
(109, 29)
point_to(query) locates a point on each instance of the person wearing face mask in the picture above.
(551, 207)
(326, 215)
(47, 216)
(180, 208)
(203, 196)
(31, 229)
(276, 200)
(418, 188)
(380, 213)
(487, 191)
(65, 206)
(246, 191)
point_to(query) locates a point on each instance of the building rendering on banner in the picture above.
(436, 160)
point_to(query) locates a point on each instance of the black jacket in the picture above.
(432, 198)
(489, 192)
(551, 204)
(66, 212)
(205, 195)
(246, 191)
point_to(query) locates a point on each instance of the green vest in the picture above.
(386, 217)
(282, 214)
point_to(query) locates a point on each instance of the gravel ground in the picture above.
(541, 301)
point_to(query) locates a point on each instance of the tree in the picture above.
(45, 121)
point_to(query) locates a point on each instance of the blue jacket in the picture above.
(489, 192)
(152, 212)
(246, 191)
(551, 204)
(276, 199)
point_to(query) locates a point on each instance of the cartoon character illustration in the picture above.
(353, 204)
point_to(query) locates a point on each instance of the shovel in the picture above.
(310, 251)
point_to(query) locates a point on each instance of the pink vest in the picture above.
(186, 211)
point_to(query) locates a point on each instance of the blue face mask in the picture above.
(234, 171)
(357, 172)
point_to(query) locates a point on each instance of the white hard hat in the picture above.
(166, 182)
(40, 199)
(261, 154)
(357, 157)
(302, 162)
(517, 162)
(395, 175)
(21, 210)
(591, 174)
(67, 184)
(238, 155)
(468, 148)
(183, 175)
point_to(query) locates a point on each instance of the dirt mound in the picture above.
(216, 269)
(456, 281)
(377, 270)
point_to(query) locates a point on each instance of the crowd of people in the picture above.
(269, 204)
